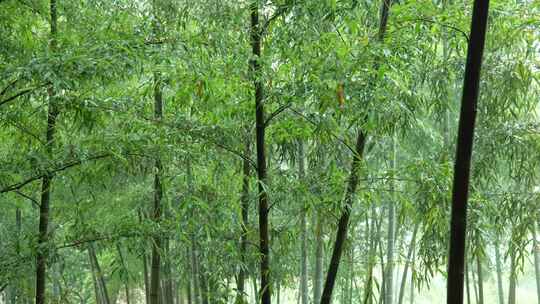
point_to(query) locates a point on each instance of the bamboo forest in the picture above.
(269, 151)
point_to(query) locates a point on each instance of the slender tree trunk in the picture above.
(462, 166)
(381, 258)
(94, 279)
(317, 272)
(475, 288)
(255, 289)
(368, 298)
(351, 188)
(343, 221)
(256, 72)
(244, 198)
(189, 282)
(389, 286)
(536, 249)
(498, 265)
(351, 276)
(467, 284)
(52, 114)
(412, 278)
(513, 279)
(303, 253)
(158, 193)
(167, 274)
(100, 278)
(203, 280)
(480, 280)
(15, 289)
(145, 266)
(407, 263)
(195, 273)
(126, 279)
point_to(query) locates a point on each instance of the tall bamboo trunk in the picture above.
(344, 220)
(468, 285)
(407, 263)
(146, 273)
(303, 249)
(126, 278)
(460, 189)
(318, 258)
(100, 278)
(189, 282)
(474, 285)
(204, 282)
(256, 73)
(195, 273)
(512, 278)
(389, 286)
(157, 208)
(167, 285)
(411, 298)
(480, 280)
(498, 265)
(352, 183)
(536, 249)
(351, 276)
(52, 114)
(244, 199)
(371, 256)
(94, 280)
(15, 289)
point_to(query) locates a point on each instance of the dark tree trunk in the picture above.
(244, 198)
(344, 220)
(52, 114)
(256, 72)
(158, 193)
(460, 192)
(351, 188)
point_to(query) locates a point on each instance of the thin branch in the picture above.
(19, 185)
(279, 12)
(23, 92)
(94, 239)
(3, 92)
(332, 134)
(33, 200)
(276, 113)
(25, 130)
(441, 24)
